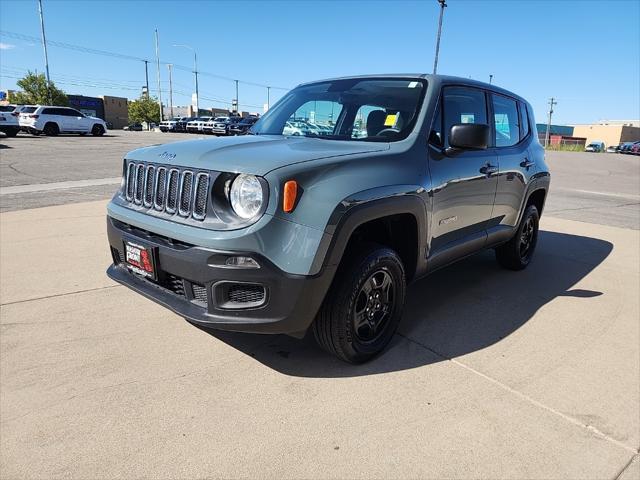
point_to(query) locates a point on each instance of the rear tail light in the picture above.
(15, 114)
(33, 116)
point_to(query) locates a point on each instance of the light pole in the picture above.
(46, 56)
(268, 99)
(443, 4)
(195, 72)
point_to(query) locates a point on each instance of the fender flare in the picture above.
(362, 208)
(540, 182)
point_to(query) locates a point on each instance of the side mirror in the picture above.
(469, 136)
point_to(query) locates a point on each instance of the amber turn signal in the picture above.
(290, 196)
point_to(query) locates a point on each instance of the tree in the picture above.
(144, 109)
(35, 92)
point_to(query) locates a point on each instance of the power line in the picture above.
(94, 51)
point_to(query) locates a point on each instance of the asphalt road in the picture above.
(43, 171)
(493, 374)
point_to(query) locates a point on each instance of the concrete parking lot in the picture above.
(493, 374)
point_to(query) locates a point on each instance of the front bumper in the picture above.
(185, 272)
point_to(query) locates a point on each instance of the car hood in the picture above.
(257, 154)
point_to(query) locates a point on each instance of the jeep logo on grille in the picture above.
(167, 155)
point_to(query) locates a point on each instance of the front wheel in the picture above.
(517, 253)
(362, 309)
(97, 130)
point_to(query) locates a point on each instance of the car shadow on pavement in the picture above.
(457, 310)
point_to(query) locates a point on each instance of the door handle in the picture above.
(526, 163)
(488, 169)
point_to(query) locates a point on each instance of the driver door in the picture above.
(463, 183)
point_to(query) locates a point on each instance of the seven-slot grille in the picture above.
(169, 190)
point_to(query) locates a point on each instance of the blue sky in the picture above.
(584, 53)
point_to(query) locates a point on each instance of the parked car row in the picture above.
(629, 148)
(221, 125)
(48, 120)
(632, 148)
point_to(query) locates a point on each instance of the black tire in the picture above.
(517, 253)
(12, 132)
(51, 129)
(97, 130)
(338, 328)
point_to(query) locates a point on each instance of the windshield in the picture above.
(221, 119)
(28, 109)
(382, 110)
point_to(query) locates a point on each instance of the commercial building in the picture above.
(91, 106)
(116, 111)
(559, 135)
(611, 132)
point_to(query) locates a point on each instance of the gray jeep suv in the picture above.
(392, 177)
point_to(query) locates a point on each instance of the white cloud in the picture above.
(6, 46)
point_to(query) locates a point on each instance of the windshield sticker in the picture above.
(413, 84)
(390, 121)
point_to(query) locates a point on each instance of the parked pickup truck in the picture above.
(271, 233)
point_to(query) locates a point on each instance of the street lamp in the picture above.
(195, 71)
(443, 5)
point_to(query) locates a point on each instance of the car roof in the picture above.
(435, 79)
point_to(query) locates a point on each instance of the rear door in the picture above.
(464, 183)
(512, 135)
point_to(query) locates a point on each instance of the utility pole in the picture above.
(158, 71)
(237, 104)
(46, 56)
(170, 66)
(268, 98)
(443, 4)
(552, 102)
(146, 75)
(490, 79)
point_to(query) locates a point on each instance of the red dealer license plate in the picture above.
(139, 259)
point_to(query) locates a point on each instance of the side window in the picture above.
(372, 119)
(49, 111)
(73, 113)
(524, 121)
(506, 120)
(463, 105)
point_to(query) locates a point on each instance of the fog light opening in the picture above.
(241, 262)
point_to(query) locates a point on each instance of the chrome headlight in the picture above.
(246, 196)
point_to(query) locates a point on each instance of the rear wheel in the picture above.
(51, 129)
(97, 130)
(11, 132)
(517, 253)
(362, 310)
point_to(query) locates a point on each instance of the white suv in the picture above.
(197, 125)
(55, 120)
(9, 120)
